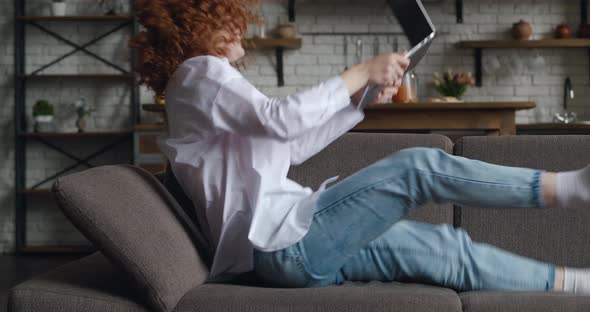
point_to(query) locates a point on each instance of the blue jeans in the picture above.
(357, 233)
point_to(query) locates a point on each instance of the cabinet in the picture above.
(58, 141)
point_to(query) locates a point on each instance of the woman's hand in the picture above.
(388, 69)
(385, 70)
(386, 95)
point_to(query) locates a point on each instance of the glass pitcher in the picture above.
(408, 91)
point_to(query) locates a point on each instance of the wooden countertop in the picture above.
(453, 106)
(583, 125)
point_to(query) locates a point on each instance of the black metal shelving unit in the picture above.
(22, 137)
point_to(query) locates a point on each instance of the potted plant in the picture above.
(58, 8)
(43, 116)
(83, 110)
(453, 85)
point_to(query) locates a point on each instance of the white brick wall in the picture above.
(320, 58)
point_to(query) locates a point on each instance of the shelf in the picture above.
(279, 44)
(89, 18)
(272, 43)
(555, 126)
(75, 76)
(525, 44)
(452, 106)
(57, 249)
(75, 134)
(478, 47)
(154, 108)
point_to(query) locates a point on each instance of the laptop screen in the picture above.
(413, 19)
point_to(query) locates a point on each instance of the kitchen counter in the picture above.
(554, 128)
(494, 118)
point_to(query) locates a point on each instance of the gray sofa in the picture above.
(148, 260)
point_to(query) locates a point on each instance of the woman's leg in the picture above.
(442, 255)
(354, 212)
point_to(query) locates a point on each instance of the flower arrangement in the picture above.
(453, 84)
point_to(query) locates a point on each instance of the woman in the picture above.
(231, 147)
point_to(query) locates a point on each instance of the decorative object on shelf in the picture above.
(584, 30)
(160, 99)
(58, 7)
(43, 116)
(408, 91)
(522, 30)
(83, 110)
(111, 7)
(286, 30)
(453, 84)
(563, 31)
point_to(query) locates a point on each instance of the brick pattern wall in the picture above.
(321, 57)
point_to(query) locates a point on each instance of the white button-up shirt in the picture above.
(230, 148)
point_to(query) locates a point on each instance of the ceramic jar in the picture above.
(522, 30)
(286, 31)
(563, 31)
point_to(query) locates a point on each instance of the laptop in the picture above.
(419, 30)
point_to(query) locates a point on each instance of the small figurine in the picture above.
(83, 110)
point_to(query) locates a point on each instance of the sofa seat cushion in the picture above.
(91, 284)
(502, 301)
(351, 296)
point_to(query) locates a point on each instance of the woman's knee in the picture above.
(418, 157)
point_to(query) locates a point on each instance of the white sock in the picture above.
(573, 188)
(576, 281)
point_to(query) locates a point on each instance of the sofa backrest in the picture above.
(560, 236)
(354, 151)
(129, 217)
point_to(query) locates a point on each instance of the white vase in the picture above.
(58, 8)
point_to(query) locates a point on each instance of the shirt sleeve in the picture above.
(240, 108)
(316, 139)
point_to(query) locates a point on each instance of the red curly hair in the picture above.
(176, 30)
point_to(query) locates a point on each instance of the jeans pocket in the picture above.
(281, 269)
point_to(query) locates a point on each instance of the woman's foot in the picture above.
(576, 281)
(573, 188)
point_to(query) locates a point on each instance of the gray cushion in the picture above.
(500, 301)
(126, 213)
(560, 236)
(91, 284)
(352, 296)
(354, 151)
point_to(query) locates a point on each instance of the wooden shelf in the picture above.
(452, 106)
(478, 47)
(272, 43)
(154, 108)
(89, 18)
(75, 134)
(57, 249)
(76, 76)
(525, 44)
(555, 126)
